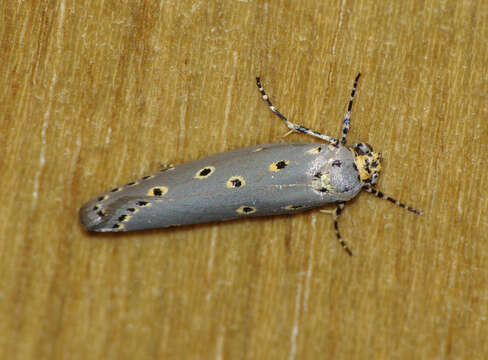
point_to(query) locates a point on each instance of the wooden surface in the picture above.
(96, 93)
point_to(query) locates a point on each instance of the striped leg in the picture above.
(335, 214)
(347, 118)
(292, 126)
(166, 167)
(396, 202)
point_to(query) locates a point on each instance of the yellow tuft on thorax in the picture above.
(368, 165)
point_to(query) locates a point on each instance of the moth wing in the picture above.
(255, 181)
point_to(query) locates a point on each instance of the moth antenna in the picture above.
(335, 214)
(292, 126)
(347, 118)
(396, 202)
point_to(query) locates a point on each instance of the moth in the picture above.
(263, 180)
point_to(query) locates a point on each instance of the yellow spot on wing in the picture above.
(246, 210)
(204, 172)
(315, 150)
(323, 182)
(235, 182)
(157, 191)
(293, 207)
(278, 165)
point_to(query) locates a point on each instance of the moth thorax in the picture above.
(368, 163)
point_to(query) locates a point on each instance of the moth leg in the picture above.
(292, 126)
(396, 202)
(165, 167)
(288, 133)
(328, 211)
(347, 117)
(335, 214)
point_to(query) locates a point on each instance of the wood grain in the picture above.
(96, 93)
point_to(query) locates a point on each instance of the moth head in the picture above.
(368, 163)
